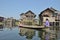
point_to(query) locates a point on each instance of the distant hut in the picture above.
(10, 22)
(1, 19)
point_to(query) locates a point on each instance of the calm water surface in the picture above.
(17, 33)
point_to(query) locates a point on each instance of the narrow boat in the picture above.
(30, 26)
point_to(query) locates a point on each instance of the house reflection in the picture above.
(47, 36)
(1, 27)
(29, 33)
(42, 35)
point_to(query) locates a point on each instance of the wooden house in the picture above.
(27, 18)
(59, 18)
(9, 22)
(51, 14)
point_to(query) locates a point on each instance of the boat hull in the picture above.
(29, 26)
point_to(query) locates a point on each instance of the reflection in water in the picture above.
(29, 33)
(1, 27)
(9, 26)
(47, 36)
(5, 26)
(43, 35)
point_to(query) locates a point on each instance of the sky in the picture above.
(13, 8)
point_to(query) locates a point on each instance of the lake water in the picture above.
(16, 33)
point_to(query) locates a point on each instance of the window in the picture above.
(54, 14)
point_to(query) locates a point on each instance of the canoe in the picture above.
(31, 26)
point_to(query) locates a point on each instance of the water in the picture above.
(16, 33)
